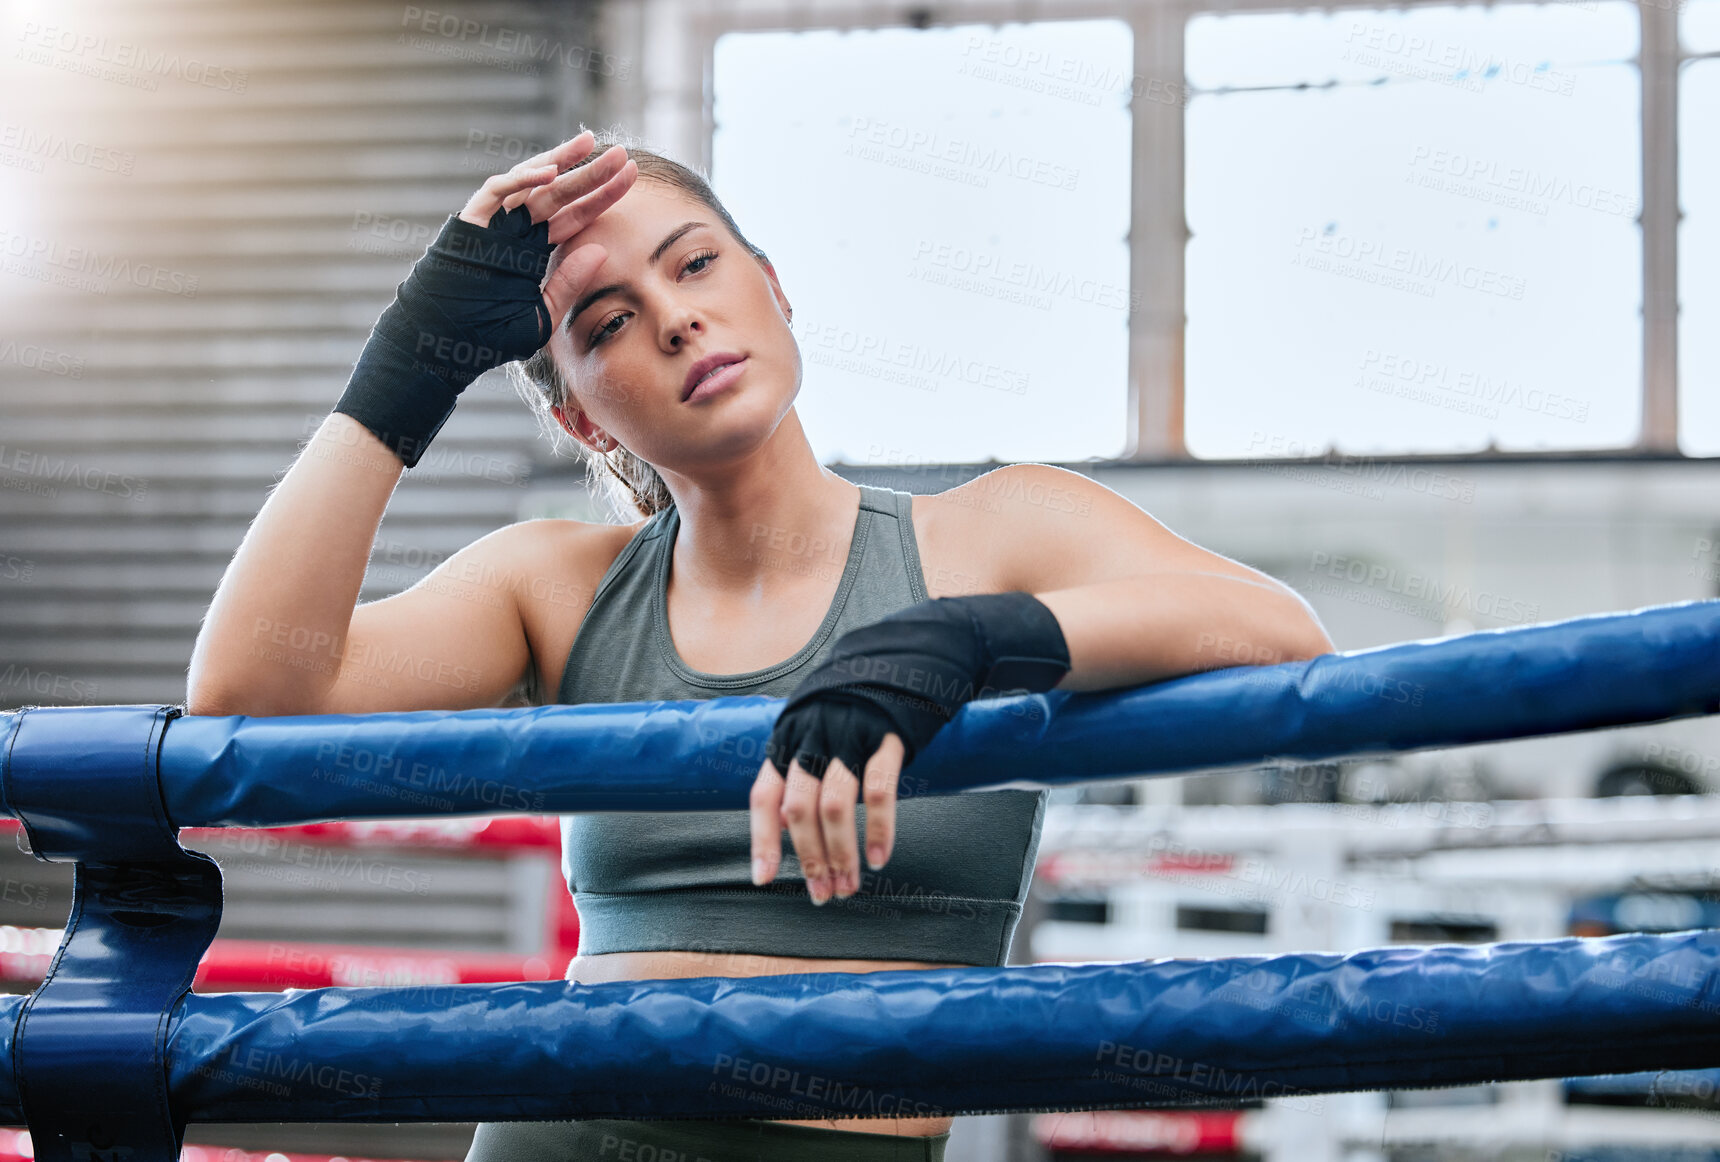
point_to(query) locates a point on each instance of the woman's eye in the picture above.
(700, 260)
(605, 331)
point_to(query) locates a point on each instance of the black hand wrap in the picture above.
(472, 302)
(910, 672)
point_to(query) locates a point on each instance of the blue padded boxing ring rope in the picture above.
(957, 1040)
(1590, 672)
(975, 1040)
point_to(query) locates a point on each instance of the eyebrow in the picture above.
(616, 287)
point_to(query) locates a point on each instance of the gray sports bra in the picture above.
(953, 888)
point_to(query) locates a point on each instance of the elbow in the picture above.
(1313, 643)
(202, 702)
(1310, 639)
(1303, 637)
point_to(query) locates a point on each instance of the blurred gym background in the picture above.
(1416, 308)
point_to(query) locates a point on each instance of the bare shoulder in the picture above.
(552, 566)
(554, 544)
(1034, 527)
(966, 533)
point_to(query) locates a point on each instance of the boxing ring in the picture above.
(113, 1055)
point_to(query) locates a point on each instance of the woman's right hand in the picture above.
(569, 200)
(483, 294)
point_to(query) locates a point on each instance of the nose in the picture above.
(690, 325)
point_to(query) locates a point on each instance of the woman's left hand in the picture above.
(869, 707)
(819, 815)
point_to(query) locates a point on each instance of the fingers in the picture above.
(819, 816)
(546, 182)
(836, 826)
(800, 815)
(568, 152)
(589, 202)
(568, 281)
(482, 206)
(545, 201)
(878, 790)
(765, 805)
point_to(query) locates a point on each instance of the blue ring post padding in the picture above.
(89, 1050)
(1586, 673)
(958, 1040)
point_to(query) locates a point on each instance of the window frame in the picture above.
(671, 100)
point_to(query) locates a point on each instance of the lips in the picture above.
(704, 367)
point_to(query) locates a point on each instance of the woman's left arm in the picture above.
(1135, 603)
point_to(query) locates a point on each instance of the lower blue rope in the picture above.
(959, 1040)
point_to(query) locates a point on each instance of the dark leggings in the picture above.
(604, 1140)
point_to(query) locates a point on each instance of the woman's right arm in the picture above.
(284, 633)
(283, 636)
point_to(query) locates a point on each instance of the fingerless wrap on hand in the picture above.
(910, 672)
(472, 302)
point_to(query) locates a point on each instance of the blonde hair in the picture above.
(631, 487)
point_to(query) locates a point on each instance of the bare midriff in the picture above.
(618, 966)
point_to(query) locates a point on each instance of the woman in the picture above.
(658, 339)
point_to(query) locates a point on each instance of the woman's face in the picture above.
(674, 288)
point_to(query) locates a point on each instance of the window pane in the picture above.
(1699, 240)
(1698, 28)
(947, 210)
(1414, 231)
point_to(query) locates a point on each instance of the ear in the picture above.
(776, 288)
(580, 427)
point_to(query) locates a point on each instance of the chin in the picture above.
(740, 425)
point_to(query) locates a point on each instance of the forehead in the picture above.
(631, 228)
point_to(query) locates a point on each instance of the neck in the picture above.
(773, 517)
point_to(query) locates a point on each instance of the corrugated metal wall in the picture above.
(203, 208)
